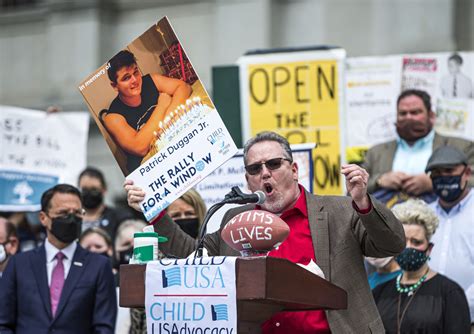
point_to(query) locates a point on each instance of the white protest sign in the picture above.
(38, 150)
(455, 98)
(372, 86)
(191, 295)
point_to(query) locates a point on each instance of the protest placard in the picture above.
(298, 95)
(373, 85)
(38, 151)
(157, 117)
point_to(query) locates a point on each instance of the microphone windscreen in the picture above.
(261, 197)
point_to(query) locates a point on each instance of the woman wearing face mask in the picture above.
(419, 300)
(96, 240)
(188, 212)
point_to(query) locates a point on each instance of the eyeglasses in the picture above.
(271, 164)
(63, 213)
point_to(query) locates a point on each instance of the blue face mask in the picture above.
(411, 259)
(448, 188)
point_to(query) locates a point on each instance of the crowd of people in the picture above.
(400, 243)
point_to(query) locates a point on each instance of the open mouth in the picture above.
(268, 188)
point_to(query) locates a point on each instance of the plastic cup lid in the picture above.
(150, 235)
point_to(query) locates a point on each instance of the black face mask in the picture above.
(411, 259)
(189, 225)
(66, 228)
(411, 130)
(92, 198)
(125, 255)
(448, 188)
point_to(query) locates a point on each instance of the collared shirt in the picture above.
(51, 252)
(412, 160)
(453, 250)
(298, 248)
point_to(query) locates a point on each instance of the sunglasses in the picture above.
(271, 164)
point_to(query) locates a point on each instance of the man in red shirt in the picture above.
(333, 231)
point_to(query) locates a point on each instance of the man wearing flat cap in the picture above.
(453, 255)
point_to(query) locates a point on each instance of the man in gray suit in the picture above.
(333, 231)
(399, 165)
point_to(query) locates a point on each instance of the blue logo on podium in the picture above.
(219, 312)
(171, 277)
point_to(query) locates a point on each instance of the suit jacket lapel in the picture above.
(318, 224)
(38, 265)
(73, 276)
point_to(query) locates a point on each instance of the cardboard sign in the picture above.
(298, 95)
(157, 117)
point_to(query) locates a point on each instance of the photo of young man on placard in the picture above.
(140, 92)
(143, 101)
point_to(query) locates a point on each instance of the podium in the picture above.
(265, 285)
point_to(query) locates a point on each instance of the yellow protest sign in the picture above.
(301, 101)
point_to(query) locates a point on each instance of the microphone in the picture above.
(236, 196)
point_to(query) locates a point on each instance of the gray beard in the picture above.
(274, 205)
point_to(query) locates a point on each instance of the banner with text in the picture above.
(194, 295)
(157, 117)
(298, 95)
(38, 151)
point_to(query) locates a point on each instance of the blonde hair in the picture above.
(192, 197)
(417, 212)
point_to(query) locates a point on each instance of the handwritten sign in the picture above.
(298, 96)
(38, 151)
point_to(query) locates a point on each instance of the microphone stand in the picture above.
(234, 193)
